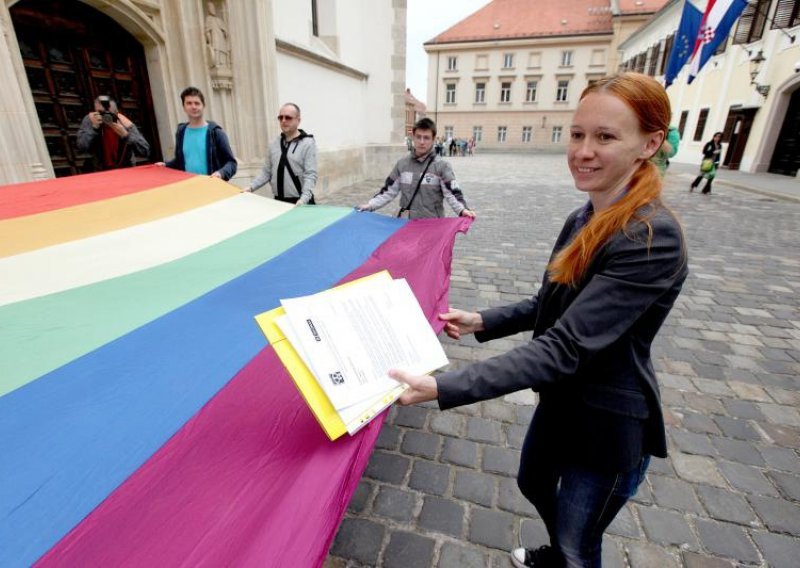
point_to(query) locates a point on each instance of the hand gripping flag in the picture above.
(684, 41)
(717, 22)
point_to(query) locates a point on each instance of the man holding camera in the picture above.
(111, 137)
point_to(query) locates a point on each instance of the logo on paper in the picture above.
(313, 330)
(336, 378)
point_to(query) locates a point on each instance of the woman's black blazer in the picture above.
(589, 357)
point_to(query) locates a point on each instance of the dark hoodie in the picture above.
(219, 155)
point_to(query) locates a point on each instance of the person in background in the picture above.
(712, 152)
(111, 137)
(423, 181)
(291, 163)
(614, 275)
(201, 147)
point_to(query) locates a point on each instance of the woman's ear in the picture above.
(653, 142)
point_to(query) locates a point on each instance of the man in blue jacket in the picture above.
(201, 147)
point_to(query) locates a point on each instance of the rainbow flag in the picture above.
(144, 421)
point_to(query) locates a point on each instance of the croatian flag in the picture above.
(718, 19)
(144, 420)
(684, 41)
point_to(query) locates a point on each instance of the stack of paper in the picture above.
(339, 345)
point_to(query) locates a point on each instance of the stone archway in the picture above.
(782, 95)
(72, 53)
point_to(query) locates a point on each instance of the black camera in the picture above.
(106, 114)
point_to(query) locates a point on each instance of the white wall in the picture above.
(339, 109)
(332, 104)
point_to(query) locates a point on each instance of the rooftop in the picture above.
(515, 19)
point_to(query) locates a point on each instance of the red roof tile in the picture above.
(419, 106)
(509, 19)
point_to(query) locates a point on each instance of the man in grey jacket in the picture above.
(423, 181)
(291, 163)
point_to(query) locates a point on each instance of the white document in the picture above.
(357, 415)
(350, 338)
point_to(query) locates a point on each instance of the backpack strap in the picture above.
(416, 190)
(283, 165)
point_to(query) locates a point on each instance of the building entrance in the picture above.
(786, 157)
(736, 133)
(72, 53)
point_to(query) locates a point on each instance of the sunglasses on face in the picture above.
(285, 117)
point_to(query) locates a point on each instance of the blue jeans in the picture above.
(577, 504)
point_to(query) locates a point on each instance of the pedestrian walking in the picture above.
(708, 167)
(614, 275)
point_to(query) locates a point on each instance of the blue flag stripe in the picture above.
(684, 41)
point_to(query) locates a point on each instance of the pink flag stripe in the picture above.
(252, 478)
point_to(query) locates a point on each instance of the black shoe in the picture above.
(542, 557)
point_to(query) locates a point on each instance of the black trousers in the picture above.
(698, 179)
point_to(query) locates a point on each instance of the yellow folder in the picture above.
(307, 384)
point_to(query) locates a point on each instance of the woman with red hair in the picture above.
(616, 270)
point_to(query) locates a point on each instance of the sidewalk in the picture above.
(772, 185)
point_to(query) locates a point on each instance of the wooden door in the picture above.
(736, 133)
(72, 53)
(786, 157)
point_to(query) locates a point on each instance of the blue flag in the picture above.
(684, 41)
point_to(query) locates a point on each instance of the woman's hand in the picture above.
(461, 323)
(422, 388)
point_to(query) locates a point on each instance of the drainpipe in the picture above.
(436, 92)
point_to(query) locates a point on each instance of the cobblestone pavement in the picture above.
(440, 487)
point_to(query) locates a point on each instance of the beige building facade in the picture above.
(756, 105)
(515, 96)
(510, 76)
(247, 56)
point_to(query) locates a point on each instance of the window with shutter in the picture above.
(682, 124)
(660, 58)
(787, 14)
(640, 61)
(701, 125)
(751, 23)
(667, 49)
(652, 59)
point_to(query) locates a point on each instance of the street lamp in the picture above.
(755, 68)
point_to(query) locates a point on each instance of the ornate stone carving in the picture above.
(151, 10)
(217, 39)
(222, 83)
